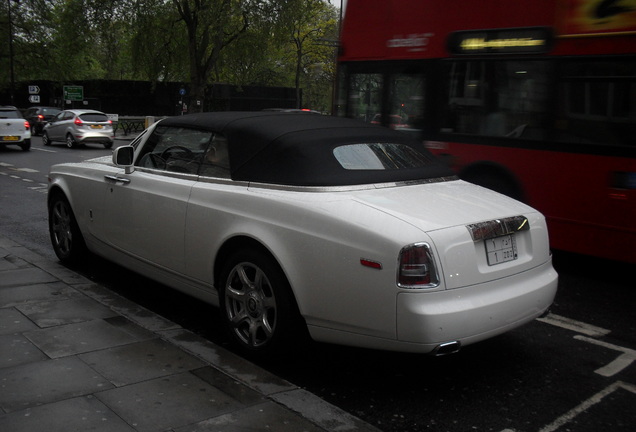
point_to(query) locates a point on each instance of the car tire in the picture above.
(26, 145)
(70, 141)
(108, 145)
(257, 306)
(45, 139)
(66, 237)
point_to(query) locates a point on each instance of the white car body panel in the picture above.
(318, 236)
(13, 131)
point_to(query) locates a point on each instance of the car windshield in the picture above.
(9, 114)
(379, 156)
(94, 117)
(50, 111)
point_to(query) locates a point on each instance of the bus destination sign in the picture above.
(532, 40)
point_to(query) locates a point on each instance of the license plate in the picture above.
(96, 126)
(10, 138)
(501, 249)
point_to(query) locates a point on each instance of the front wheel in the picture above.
(45, 139)
(257, 304)
(66, 236)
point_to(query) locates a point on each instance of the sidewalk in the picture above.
(75, 356)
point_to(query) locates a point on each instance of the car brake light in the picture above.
(78, 121)
(416, 267)
(26, 124)
(40, 116)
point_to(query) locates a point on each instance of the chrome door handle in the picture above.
(117, 179)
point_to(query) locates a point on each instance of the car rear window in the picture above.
(10, 114)
(92, 117)
(380, 156)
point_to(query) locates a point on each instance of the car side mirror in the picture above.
(123, 157)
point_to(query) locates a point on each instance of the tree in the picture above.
(273, 42)
(211, 26)
(308, 25)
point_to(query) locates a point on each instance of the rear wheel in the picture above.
(26, 145)
(258, 308)
(66, 236)
(108, 145)
(70, 141)
(45, 139)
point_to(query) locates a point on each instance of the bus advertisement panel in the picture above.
(533, 98)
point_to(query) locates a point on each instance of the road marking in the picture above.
(584, 406)
(26, 170)
(44, 150)
(577, 326)
(4, 164)
(598, 397)
(625, 359)
(41, 188)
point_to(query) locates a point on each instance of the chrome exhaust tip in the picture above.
(446, 348)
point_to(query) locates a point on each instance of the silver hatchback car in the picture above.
(79, 126)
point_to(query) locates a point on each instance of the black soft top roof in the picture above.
(297, 148)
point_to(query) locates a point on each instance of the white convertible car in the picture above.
(292, 222)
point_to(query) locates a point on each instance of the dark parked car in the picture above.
(39, 116)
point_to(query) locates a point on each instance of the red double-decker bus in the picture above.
(532, 98)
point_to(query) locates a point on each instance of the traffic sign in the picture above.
(74, 93)
(33, 89)
(34, 99)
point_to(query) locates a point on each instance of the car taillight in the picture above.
(40, 116)
(26, 124)
(78, 121)
(416, 267)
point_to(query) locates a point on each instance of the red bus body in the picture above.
(556, 77)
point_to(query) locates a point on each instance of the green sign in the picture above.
(74, 93)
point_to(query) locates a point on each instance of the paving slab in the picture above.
(25, 276)
(15, 350)
(13, 321)
(141, 361)
(67, 340)
(34, 293)
(168, 403)
(56, 313)
(47, 381)
(71, 415)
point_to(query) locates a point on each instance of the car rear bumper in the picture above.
(476, 312)
(95, 138)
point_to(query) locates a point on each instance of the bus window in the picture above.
(497, 98)
(406, 102)
(365, 96)
(597, 102)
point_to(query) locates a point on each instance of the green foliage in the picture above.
(198, 42)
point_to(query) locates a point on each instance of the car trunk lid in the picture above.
(478, 235)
